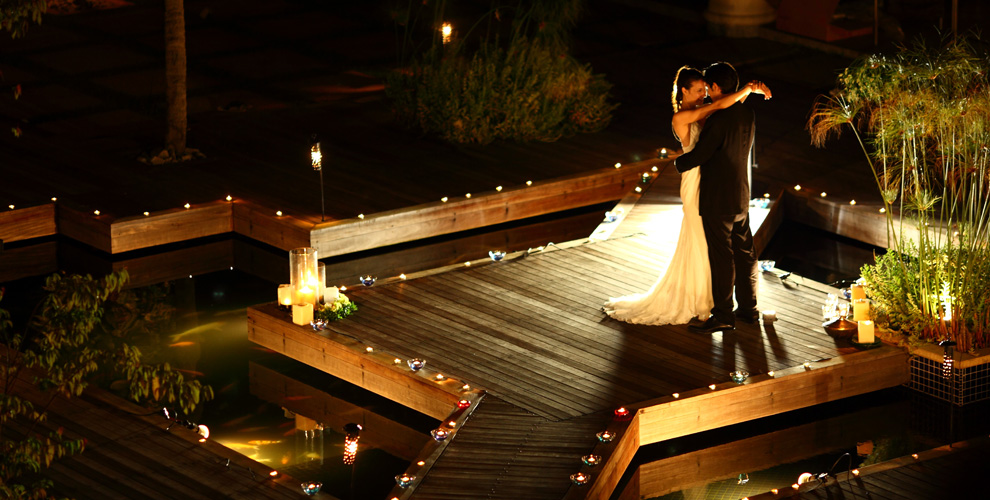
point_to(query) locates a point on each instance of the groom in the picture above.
(723, 154)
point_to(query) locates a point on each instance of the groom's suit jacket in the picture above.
(723, 153)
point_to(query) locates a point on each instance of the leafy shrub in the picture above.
(895, 284)
(525, 92)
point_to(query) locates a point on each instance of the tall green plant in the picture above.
(68, 342)
(925, 117)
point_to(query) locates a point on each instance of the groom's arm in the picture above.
(709, 141)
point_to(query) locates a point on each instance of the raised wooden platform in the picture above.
(129, 454)
(943, 472)
(530, 332)
(116, 234)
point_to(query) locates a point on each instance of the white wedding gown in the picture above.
(684, 290)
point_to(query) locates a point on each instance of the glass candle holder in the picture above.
(496, 255)
(404, 480)
(304, 274)
(285, 297)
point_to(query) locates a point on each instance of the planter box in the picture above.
(968, 380)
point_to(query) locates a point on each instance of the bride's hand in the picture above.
(758, 87)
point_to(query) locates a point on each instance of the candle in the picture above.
(306, 295)
(858, 292)
(769, 316)
(285, 296)
(330, 295)
(865, 332)
(861, 310)
(302, 314)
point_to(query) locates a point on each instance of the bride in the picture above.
(684, 291)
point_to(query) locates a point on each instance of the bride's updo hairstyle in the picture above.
(686, 76)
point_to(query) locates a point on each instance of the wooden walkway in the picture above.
(943, 472)
(530, 333)
(129, 455)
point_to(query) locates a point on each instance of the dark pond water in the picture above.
(289, 416)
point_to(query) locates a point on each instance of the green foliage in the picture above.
(526, 92)
(71, 341)
(926, 113)
(336, 310)
(17, 15)
(515, 81)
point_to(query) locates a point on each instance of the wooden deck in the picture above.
(943, 472)
(130, 455)
(530, 333)
(115, 234)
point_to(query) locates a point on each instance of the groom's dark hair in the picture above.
(723, 74)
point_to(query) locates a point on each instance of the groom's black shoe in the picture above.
(748, 316)
(711, 325)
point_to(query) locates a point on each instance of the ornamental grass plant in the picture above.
(922, 118)
(515, 82)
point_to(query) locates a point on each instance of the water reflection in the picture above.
(753, 458)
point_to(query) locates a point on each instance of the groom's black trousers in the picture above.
(733, 261)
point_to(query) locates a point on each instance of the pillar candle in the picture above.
(331, 294)
(285, 295)
(302, 314)
(861, 310)
(305, 295)
(858, 292)
(865, 332)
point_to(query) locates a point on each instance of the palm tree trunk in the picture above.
(175, 77)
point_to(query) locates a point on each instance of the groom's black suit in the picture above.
(723, 152)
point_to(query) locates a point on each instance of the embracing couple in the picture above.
(714, 251)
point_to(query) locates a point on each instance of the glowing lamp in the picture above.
(852, 202)
(444, 199)
(440, 376)
(468, 195)
(591, 460)
(316, 156)
(618, 165)
(463, 404)
(231, 198)
(824, 194)
(529, 183)
(96, 212)
(605, 436)
(638, 189)
(278, 213)
(621, 412)
(498, 188)
(273, 473)
(352, 433)
(369, 349)
(676, 395)
(712, 387)
(203, 431)
(797, 187)
(187, 206)
(54, 198)
(446, 30)
(361, 216)
(146, 214)
(770, 373)
(663, 152)
(421, 463)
